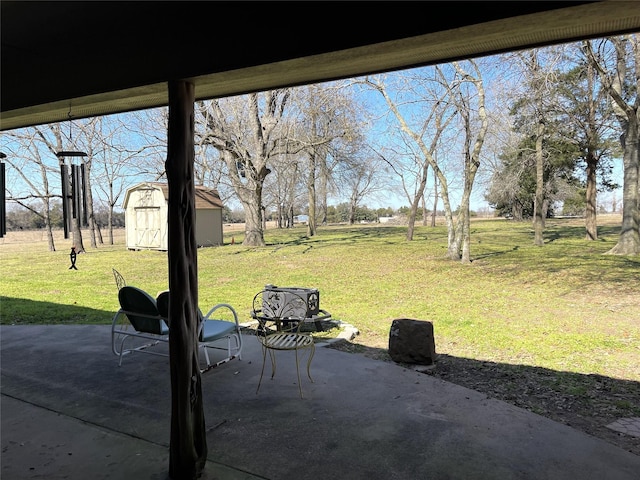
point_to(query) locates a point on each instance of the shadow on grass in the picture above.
(584, 402)
(342, 236)
(554, 233)
(20, 311)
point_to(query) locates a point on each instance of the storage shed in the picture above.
(146, 223)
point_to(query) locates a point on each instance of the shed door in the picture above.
(148, 227)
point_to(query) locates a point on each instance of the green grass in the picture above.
(565, 306)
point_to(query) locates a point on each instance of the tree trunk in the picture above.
(188, 442)
(253, 231)
(412, 218)
(415, 201)
(280, 215)
(424, 211)
(77, 235)
(110, 221)
(591, 225)
(86, 181)
(435, 201)
(47, 223)
(323, 193)
(627, 115)
(466, 238)
(352, 212)
(311, 193)
(629, 241)
(455, 244)
(99, 233)
(538, 217)
(590, 221)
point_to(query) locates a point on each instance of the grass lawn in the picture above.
(564, 306)
(554, 329)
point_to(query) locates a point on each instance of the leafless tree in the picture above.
(31, 155)
(284, 188)
(475, 125)
(421, 133)
(248, 131)
(37, 149)
(622, 81)
(359, 179)
(115, 168)
(327, 128)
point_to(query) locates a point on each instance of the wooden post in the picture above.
(188, 443)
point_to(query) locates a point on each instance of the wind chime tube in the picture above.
(3, 200)
(75, 191)
(83, 173)
(66, 220)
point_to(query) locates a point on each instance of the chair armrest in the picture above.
(222, 305)
(211, 329)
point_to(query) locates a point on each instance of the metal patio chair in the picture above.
(280, 319)
(219, 330)
(142, 322)
(120, 282)
(137, 325)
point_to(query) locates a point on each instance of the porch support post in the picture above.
(188, 442)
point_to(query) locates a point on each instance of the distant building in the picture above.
(146, 222)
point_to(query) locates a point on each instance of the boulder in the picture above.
(412, 341)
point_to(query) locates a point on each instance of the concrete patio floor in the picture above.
(68, 411)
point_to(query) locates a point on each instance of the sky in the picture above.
(394, 197)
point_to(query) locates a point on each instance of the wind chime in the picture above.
(74, 195)
(3, 198)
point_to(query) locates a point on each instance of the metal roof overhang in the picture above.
(87, 59)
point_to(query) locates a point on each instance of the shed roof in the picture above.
(206, 198)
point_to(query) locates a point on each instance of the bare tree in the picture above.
(536, 75)
(474, 136)
(284, 188)
(32, 158)
(422, 134)
(623, 85)
(113, 170)
(327, 128)
(248, 131)
(359, 177)
(38, 149)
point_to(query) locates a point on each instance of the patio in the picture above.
(69, 411)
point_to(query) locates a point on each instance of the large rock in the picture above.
(411, 341)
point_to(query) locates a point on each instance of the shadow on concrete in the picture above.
(69, 411)
(588, 402)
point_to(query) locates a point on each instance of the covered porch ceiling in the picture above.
(84, 59)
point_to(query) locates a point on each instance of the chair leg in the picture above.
(264, 360)
(298, 372)
(311, 354)
(272, 355)
(206, 355)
